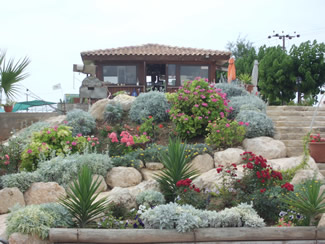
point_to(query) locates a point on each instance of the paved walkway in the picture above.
(3, 225)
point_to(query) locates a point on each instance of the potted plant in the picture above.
(317, 148)
(8, 106)
(247, 80)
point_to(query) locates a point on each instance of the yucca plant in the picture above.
(10, 74)
(307, 200)
(176, 167)
(81, 197)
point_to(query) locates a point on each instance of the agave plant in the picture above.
(11, 73)
(81, 198)
(176, 167)
(307, 200)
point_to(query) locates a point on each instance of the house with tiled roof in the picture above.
(160, 67)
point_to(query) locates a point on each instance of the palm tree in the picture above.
(10, 74)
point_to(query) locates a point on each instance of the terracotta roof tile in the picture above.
(154, 49)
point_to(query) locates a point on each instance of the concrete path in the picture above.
(3, 225)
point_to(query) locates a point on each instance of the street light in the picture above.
(298, 83)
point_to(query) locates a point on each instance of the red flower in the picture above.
(249, 165)
(150, 117)
(161, 126)
(234, 165)
(219, 170)
(185, 190)
(288, 186)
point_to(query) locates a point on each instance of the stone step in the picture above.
(301, 123)
(294, 113)
(298, 129)
(296, 118)
(294, 108)
(294, 151)
(322, 172)
(289, 136)
(293, 143)
(321, 166)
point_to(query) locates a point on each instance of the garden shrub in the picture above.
(237, 102)
(232, 90)
(52, 142)
(81, 122)
(150, 198)
(186, 218)
(59, 169)
(259, 123)
(38, 219)
(194, 105)
(153, 104)
(113, 113)
(224, 133)
(10, 156)
(24, 136)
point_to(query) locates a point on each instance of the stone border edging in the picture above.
(58, 235)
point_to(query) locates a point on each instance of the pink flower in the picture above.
(48, 132)
(214, 100)
(144, 133)
(202, 96)
(89, 139)
(167, 111)
(227, 125)
(7, 156)
(185, 119)
(196, 105)
(209, 112)
(68, 142)
(247, 124)
(29, 151)
(73, 143)
(241, 123)
(79, 135)
(65, 122)
(6, 162)
(204, 104)
(222, 114)
(199, 117)
(112, 136)
(218, 131)
(195, 93)
(93, 144)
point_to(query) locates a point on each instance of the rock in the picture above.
(98, 108)
(154, 166)
(303, 175)
(9, 197)
(321, 223)
(148, 174)
(119, 195)
(289, 163)
(141, 164)
(41, 192)
(266, 147)
(228, 157)
(208, 180)
(103, 186)
(123, 177)
(144, 186)
(202, 163)
(18, 238)
(125, 101)
(3, 218)
(56, 120)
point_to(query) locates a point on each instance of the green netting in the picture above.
(26, 105)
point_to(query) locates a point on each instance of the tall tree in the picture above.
(308, 63)
(276, 78)
(244, 53)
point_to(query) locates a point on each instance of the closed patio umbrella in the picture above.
(231, 70)
(255, 73)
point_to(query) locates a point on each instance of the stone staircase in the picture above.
(292, 123)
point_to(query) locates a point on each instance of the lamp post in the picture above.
(298, 83)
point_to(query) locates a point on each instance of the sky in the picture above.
(53, 33)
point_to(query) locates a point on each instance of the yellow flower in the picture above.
(141, 154)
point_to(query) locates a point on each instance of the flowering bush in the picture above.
(120, 144)
(316, 138)
(195, 105)
(52, 142)
(224, 133)
(290, 218)
(187, 193)
(149, 127)
(10, 156)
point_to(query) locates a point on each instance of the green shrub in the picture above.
(113, 113)
(81, 196)
(194, 105)
(232, 90)
(150, 198)
(237, 102)
(81, 122)
(153, 104)
(176, 167)
(259, 123)
(59, 169)
(38, 219)
(25, 136)
(223, 133)
(10, 154)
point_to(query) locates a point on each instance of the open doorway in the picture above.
(156, 77)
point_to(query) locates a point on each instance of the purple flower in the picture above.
(73, 143)
(199, 117)
(29, 151)
(195, 93)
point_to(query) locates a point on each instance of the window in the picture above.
(191, 72)
(120, 74)
(172, 74)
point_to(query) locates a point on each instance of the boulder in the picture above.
(9, 197)
(228, 157)
(149, 174)
(123, 177)
(321, 223)
(125, 101)
(3, 218)
(154, 166)
(144, 186)
(266, 147)
(18, 238)
(202, 163)
(98, 108)
(289, 163)
(119, 195)
(56, 120)
(103, 186)
(41, 192)
(209, 180)
(306, 174)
